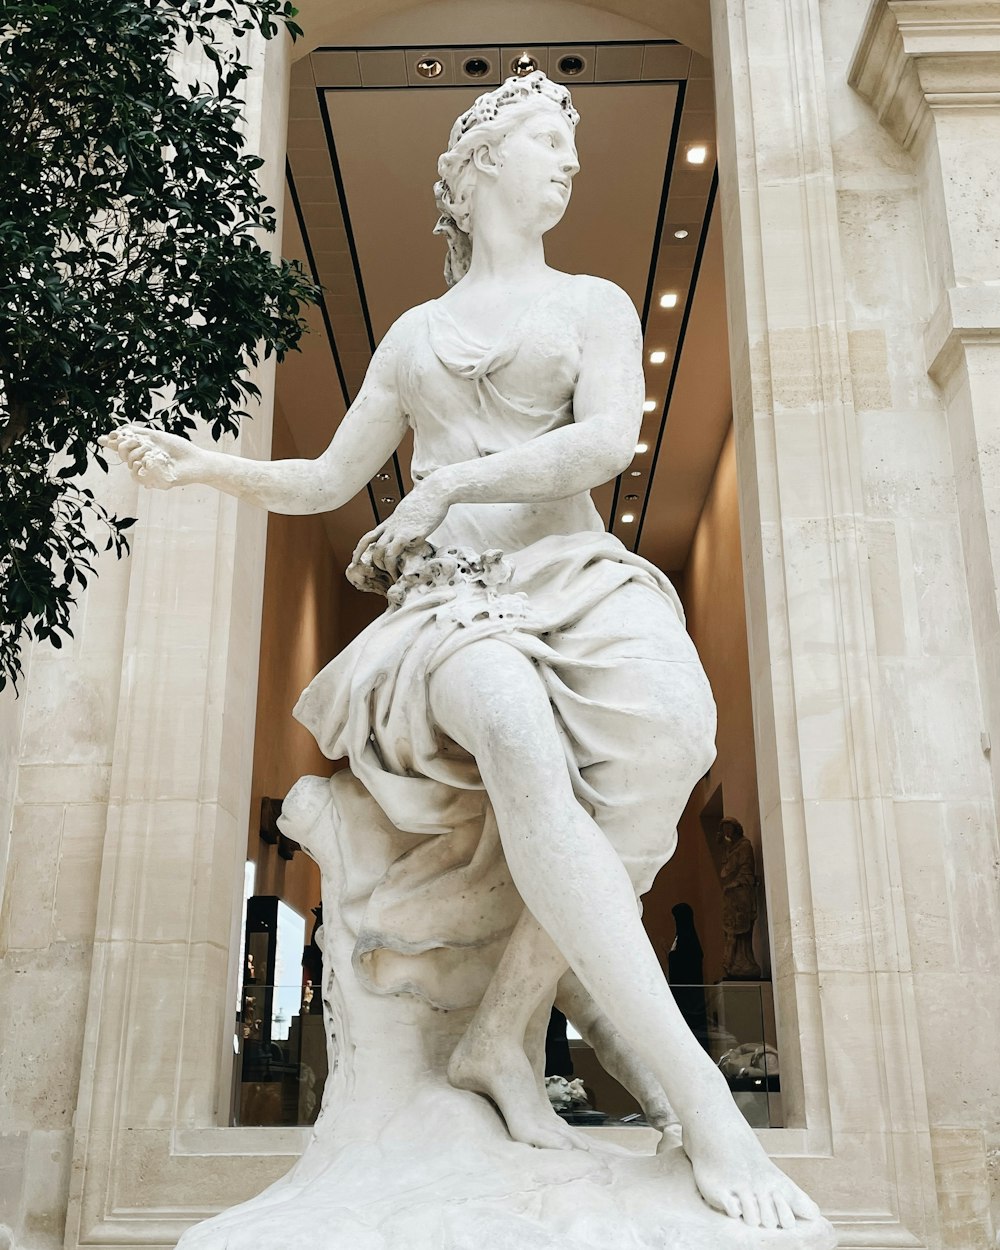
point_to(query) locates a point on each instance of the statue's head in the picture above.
(519, 139)
(730, 829)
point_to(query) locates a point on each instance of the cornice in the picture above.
(916, 56)
(964, 317)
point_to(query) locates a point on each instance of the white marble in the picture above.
(512, 717)
(399, 1156)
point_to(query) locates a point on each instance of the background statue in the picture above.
(739, 903)
(521, 723)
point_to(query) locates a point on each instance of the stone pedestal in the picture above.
(399, 1159)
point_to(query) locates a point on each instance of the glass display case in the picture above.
(282, 1063)
(280, 1040)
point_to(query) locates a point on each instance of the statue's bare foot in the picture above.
(734, 1175)
(502, 1071)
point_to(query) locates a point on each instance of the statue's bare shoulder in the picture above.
(609, 296)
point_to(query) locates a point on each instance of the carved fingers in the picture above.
(403, 534)
(147, 453)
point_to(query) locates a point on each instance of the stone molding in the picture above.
(915, 56)
(965, 315)
(814, 640)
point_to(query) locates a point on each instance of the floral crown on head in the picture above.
(514, 91)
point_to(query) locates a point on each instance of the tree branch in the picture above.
(18, 413)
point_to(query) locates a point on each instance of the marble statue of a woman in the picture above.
(524, 725)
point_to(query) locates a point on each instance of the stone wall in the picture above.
(920, 236)
(59, 741)
(711, 588)
(298, 636)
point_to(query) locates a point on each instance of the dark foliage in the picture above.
(134, 281)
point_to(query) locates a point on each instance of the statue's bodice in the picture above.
(465, 399)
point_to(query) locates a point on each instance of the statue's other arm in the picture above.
(368, 435)
(607, 412)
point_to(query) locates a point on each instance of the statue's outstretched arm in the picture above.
(369, 434)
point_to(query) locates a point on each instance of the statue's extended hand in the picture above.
(416, 516)
(155, 459)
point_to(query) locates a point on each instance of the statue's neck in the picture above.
(502, 252)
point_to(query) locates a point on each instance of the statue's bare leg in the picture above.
(614, 1053)
(493, 1056)
(489, 699)
(537, 1031)
(499, 1057)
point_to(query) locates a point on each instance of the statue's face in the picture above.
(535, 167)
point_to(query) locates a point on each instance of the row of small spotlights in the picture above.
(668, 299)
(640, 449)
(570, 66)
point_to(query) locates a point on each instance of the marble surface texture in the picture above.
(400, 1157)
(524, 725)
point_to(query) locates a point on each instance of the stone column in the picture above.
(852, 1074)
(130, 793)
(931, 71)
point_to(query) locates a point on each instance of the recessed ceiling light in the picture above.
(631, 498)
(388, 498)
(635, 473)
(628, 517)
(649, 405)
(382, 477)
(640, 448)
(430, 67)
(523, 65)
(657, 357)
(697, 154)
(476, 66)
(681, 234)
(668, 299)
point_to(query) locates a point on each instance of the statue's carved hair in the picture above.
(487, 122)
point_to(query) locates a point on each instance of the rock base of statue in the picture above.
(398, 1158)
(442, 1174)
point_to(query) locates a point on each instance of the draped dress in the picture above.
(603, 628)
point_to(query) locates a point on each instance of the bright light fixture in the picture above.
(628, 517)
(668, 299)
(681, 234)
(657, 357)
(697, 154)
(635, 473)
(649, 405)
(640, 448)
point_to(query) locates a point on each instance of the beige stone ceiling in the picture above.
(506, 21)
(364, 135)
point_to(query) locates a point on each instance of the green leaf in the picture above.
(130, 219)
